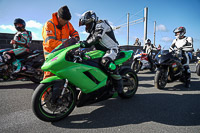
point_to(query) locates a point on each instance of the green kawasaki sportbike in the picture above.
(78, 81)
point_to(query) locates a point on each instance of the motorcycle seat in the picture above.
(120, 55)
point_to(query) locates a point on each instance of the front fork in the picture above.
(59, 91)
(165, 72)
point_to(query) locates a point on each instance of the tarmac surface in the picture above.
(174, 109)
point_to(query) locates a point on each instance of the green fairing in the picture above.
(127, 56)
(77, 73)
(95, 54)
(50, 79)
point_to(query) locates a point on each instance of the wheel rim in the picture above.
(62, 107)
(130, 84)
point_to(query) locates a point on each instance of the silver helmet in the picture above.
(180, 30)
(88, 19)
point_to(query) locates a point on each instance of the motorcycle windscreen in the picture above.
(67, 43)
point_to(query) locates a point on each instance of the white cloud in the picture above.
(35, 36)
(161, 27)
(78, 15)
(84, 33)
(29, 24)
(166, 39)
(10, 27)
(33, 24)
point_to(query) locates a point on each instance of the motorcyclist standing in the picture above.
(102, 37)
(182, 42)
(57, 31)
(21, 42)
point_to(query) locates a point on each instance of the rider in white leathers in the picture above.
(102, 37)
(186, 45)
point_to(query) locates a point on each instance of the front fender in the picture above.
(50, 79)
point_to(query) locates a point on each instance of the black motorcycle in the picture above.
(29, 61)
(169, 68)
(198, 66)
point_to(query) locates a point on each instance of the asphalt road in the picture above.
(172, 110)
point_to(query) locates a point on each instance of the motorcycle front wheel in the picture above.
(198, 69)
(136, 66)
(49, 111)
(160, 79)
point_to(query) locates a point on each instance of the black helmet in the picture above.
(148, 41)
(89, 19)
(19, 21)
(181, 30)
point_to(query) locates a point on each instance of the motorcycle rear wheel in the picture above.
(38, 76)
(160, 80)
(130, 83)
(45, 110)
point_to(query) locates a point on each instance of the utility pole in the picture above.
(145, 23)
(128, 29)
(154, 41)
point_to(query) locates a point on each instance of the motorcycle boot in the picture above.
(187, 76)
(117, 83)
(18, 64)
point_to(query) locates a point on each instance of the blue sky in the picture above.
(168, 15)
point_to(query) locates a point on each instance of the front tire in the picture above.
(160, 79)
(198, 69)
(130, 83)
(43, 107)
(136, 66)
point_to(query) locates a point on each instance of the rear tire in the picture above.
(38, 76)
(130, 83)
(45, 110)
(160, 80)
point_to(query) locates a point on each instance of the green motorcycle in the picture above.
(78, 81)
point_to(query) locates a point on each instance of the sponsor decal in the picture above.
(49, 32)
(54, 59)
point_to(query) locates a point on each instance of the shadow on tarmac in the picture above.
(24, 85)
(169, 109)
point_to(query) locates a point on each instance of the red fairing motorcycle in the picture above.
(142, 61)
